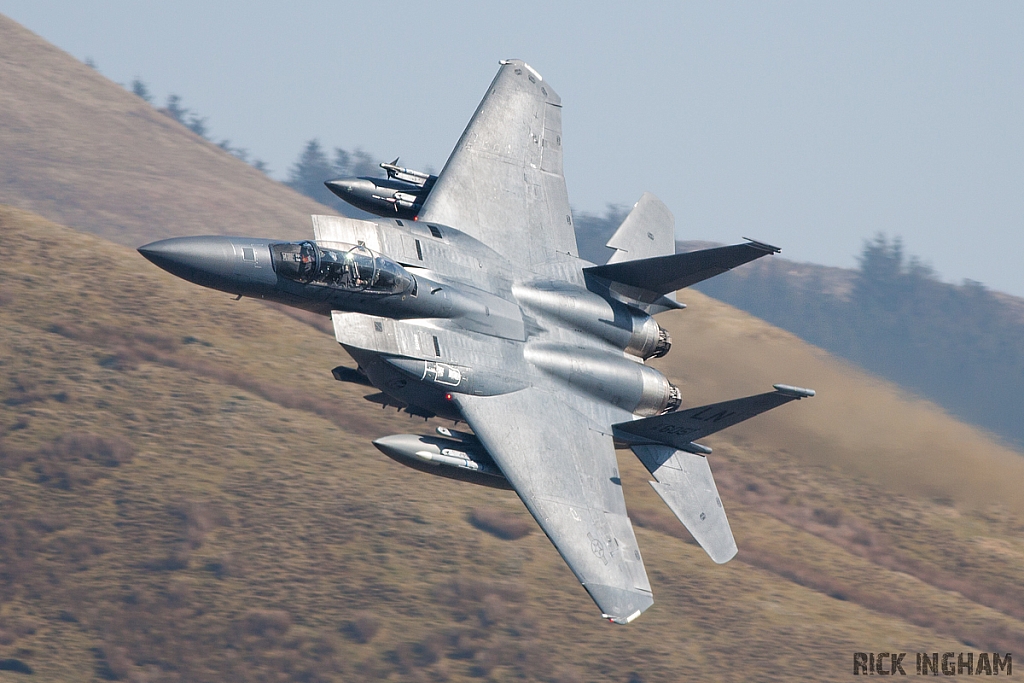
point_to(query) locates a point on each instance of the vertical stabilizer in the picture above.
(649, 230)
(687, 487)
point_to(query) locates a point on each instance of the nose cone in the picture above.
(400, 446)
(208, 261)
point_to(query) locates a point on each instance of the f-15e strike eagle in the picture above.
(467, 300)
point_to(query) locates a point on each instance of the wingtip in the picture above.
(619, 605)
(722, 558)
(621, 620)
(763, 246)
(795, 392)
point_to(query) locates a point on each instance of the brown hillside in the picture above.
(83, 151)
(189, 496)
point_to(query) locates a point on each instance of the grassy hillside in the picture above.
(83, 151)
(188, 495)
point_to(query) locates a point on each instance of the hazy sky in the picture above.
(810, 125)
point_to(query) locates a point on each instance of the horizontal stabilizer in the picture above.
(687, 487)
(648, 279)
(681, 428)
(649, 230)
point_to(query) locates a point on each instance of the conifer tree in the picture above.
(142, 90)
(308, 173)
(174, 109)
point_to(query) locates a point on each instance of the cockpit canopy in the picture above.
(352, 268)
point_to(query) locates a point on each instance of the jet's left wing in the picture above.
(503, 183)
(566, 473)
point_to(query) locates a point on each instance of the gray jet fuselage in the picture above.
(598, 343)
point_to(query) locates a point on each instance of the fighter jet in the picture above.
(482, 312)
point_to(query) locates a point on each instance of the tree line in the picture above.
(175, 109)
(307, 174)
(961, 346)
